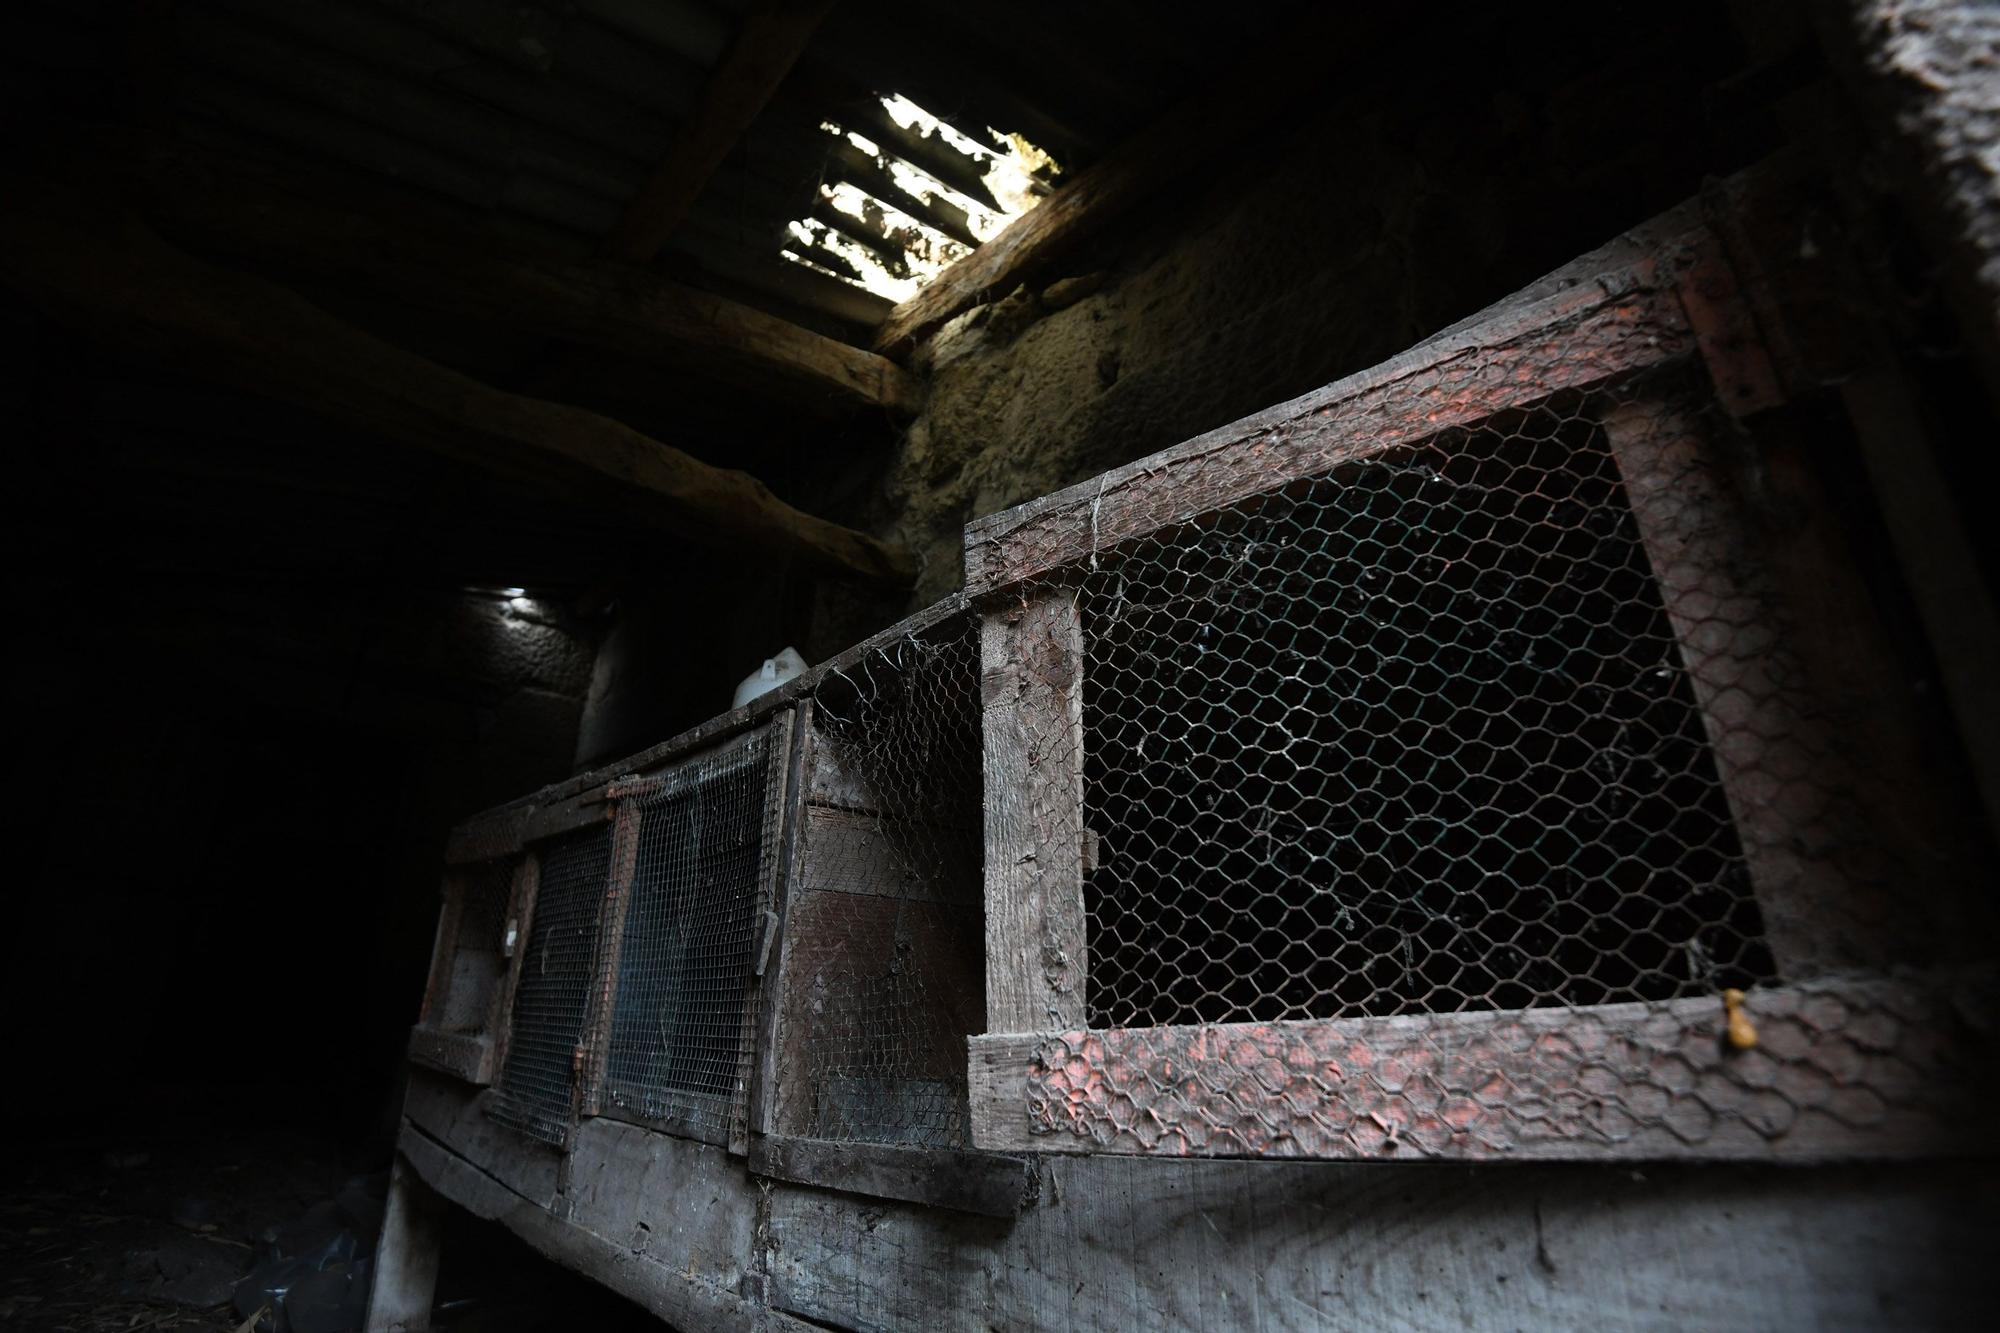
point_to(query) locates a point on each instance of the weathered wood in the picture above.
(587, 809)
(847, 851)
(407, 1255)
(766, 1069)
(770, 42)
(1940, 567)
(615, 912)
(1122, 1243)
(987, 1184)
(1031, 688)
(456, 1114)
(490, 836)
(1839, 1070)
(1798, 692)
(521, 911)
(121, 282)
(1582, 336)
(459, 1054)
(616, 307)
(654, 1219)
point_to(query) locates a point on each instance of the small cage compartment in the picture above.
(884, 972)
(1412, 738)
(456, 1030)
(703, 842)
(541, 1082)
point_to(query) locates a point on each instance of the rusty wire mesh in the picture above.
(681, 1024)
(884, 975)
(478, 964)
(1502, 757)
(538, 1085)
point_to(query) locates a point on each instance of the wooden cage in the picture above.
(1501, 754)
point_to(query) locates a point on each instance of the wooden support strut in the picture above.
(120, 281)
(216, 202)
(1031, 685)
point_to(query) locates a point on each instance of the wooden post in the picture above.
(1031, 686)
(406, 1260)
(1798, 692)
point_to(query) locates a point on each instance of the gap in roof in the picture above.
(900, 225)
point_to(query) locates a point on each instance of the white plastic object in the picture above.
(775, 672)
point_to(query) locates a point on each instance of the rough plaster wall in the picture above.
(1330, 245)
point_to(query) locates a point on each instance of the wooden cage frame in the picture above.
(1714, 295)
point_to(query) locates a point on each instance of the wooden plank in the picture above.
(766, 1070)
(459, 1054)
(1582, 336)
(1124, 1243)
(1800, 694)
(490, 836)
(527, 884)
(117, 280)
(215, 204)
(456, 1114)
(611, 1241)
(988, 1184)
(770, 42)
(404, 1281)
(1838, 1070)
(615, 912)
(738, 720)
(1031, 688)
(846, 851)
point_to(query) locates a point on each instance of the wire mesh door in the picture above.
(703, 842)
(542, 1080)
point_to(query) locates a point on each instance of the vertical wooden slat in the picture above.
(1798, 695)
(527, 887)
(765, 1075)
(617, 905)
(1031, 686)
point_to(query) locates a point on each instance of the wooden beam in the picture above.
(1086, 207)
(621, 308)
(987, 1184)
(1031, 685)
(1518, 354)
(116, 279)
(773, 37)
(1839, 1069)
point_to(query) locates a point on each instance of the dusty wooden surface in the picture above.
(1031, 683)
(1619, 322)
(118, 280)
(1117, 1244)
(1839, 1070)
(968, 1182)
(770, 41)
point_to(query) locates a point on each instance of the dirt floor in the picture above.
(156, 1232)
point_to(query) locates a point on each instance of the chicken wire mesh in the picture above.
(1504, 759)
(681, 1024)
(538, 1084)
(884, 970)
(478, 963)
(1413, 739)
